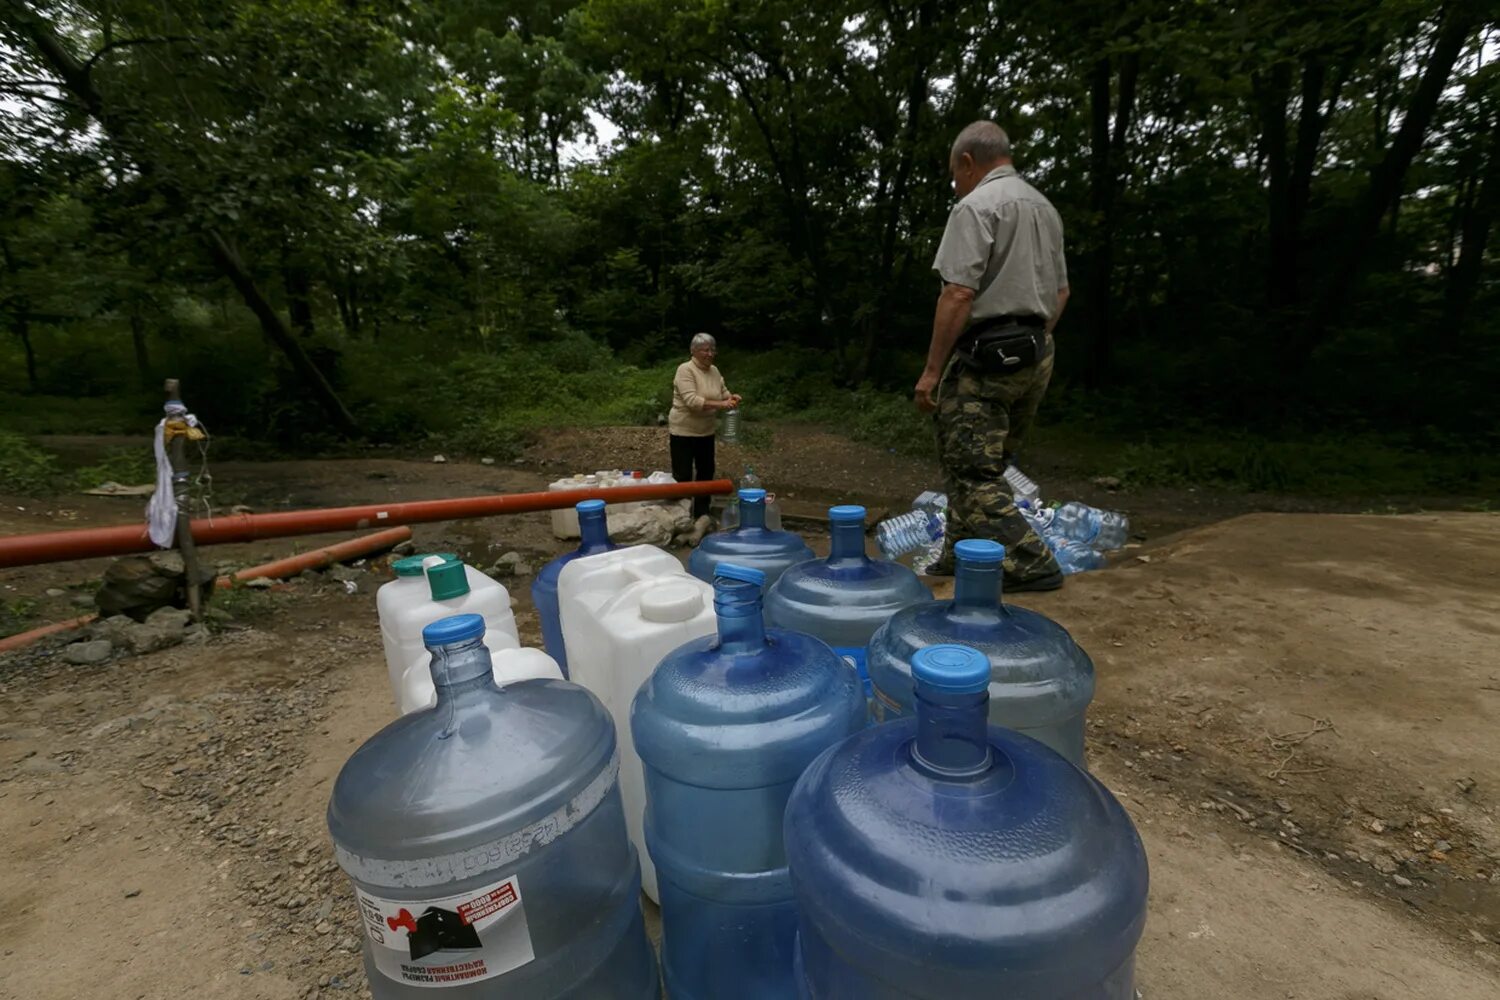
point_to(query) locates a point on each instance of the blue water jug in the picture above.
(843, 599)
(1041, 682)
(941, 858)
(593, 538)
(724, 726)
(486, 841)
(750, 544)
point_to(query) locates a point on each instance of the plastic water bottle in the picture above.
(1102, 529)
(1022, 486)
(843, 599)
(1041, 682)
(729, 426)
(938, 858)
(751, 544)
(486, 843)
(909, 532)
(730, 518)
(725, 726)
(594, 534)
(1073, 557)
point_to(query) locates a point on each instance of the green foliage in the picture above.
(25, 468)
(16, 615)
(126, 466)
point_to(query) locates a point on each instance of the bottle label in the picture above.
(449, 941)
(884, 707)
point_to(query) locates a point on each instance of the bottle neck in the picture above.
(952, 734)
(848, 542)
(977, 587)
(752, 515)
(459, 666)
(593, 532)
(742, 628)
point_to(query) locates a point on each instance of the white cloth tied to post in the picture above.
(161, 512)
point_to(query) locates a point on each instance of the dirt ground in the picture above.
(1300, 710)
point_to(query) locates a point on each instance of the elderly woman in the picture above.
(698, 394)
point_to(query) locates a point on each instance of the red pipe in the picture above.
(292, 565)
(91, 543)
(23, 639)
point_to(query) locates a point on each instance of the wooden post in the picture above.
(177, 433)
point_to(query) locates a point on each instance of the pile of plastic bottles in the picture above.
(1077, 534)
(714, 746)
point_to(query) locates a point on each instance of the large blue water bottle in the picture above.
(940, 858)
(1041, 681)
(843, 599)
(725, 725)
(486, 841)
(750, 544)
(593, 539)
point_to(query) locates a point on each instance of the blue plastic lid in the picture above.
(454, 628)
(589, 506)
(951, 669)
(753, 495)
(847, 513)
(744, 574)
(979, 551)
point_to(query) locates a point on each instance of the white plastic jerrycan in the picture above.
(451, 588)
(409, 588)
(508, 665)
(621, 612)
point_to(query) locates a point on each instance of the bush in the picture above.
(126, 466)
(25, 468)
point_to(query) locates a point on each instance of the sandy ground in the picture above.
(1301, 711)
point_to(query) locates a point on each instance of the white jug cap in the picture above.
(672, 601)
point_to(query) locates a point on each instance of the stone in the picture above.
(260, 583)
(439, 459)
(55, 592)
(1442, 846)
(82, 600)
(1384, 865)
(169, 618)
(88, 652)
(1402, 881)
(486, 461)
(344, 574)
(405, 548)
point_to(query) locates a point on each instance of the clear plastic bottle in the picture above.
(729, 426)
(725, 725)
(1041, 681)
(843, 599)
(909, 532)
(730, 518)
(594, 538)
(1022, 486)
(1073, 557)
(1102, 529)
(940, 858)
(753, 543)
(486, 841)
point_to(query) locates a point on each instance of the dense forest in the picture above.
(327, 214)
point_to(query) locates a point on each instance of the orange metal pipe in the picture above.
(292, 565)
(92, 543)
(23, 639)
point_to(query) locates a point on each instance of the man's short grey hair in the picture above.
(702, 340)
(985, 141)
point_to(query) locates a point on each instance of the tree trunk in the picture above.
(1474, 234)
(1273, 89)
(21, 325)
(138, 342)
(1389, 176)
(1101, 264)
(298, 285)
(277, 331)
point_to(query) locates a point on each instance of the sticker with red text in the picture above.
(450, 941)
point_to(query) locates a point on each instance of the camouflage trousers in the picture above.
(981, 421)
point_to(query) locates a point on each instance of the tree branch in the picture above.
(88, 65)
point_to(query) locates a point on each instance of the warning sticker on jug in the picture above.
(449, 941)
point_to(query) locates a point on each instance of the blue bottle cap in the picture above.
(753, 495)
(949, 668)
(454, 628)
(744, 574)
(589, 506)
(847, 513)
(979, 551)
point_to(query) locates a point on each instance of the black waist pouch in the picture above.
(1000, 349)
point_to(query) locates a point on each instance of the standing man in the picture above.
(1004, 286)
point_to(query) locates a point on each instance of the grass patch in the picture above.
(126, 466)
(16, 615)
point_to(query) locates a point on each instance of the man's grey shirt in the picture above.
(1005, 241)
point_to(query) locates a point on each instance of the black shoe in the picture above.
(1053, 581)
